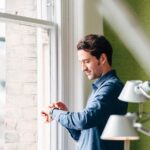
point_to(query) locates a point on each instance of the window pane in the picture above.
(43, 9)
(26, 8)
(2, 5)
(18, 62)
(20, 46)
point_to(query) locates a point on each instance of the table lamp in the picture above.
(137, 91)
(119, 128)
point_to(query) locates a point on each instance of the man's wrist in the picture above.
(51, 110)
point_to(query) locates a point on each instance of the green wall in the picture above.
(93, 23)
(126, 65)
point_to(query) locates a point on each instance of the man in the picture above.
(85, 127)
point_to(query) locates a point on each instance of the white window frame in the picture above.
(65, 78)
(51, 79)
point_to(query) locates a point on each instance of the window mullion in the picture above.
(6, 17)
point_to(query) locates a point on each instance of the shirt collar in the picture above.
(103, 78)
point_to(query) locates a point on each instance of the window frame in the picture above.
(65, 78)
(52, 72)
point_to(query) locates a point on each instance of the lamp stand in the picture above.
(126, 145)
(140, 110)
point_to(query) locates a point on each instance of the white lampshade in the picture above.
(119, 128)
(131, 93)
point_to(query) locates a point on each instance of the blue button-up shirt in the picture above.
(86, 126)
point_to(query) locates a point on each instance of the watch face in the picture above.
(51, 110)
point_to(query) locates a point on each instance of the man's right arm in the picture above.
(75, 134)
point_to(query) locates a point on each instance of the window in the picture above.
(28, 71)
(41, 66)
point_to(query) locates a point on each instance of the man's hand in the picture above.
(45, 111)
(59, 105)
(45, 114)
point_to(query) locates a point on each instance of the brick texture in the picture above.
(20, 118)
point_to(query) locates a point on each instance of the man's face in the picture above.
(90, 65)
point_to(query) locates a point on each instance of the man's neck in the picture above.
(106, 69)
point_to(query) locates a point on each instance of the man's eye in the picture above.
(87, 61)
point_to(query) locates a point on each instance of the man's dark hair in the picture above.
(96, 45)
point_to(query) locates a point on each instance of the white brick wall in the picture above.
(20, 119)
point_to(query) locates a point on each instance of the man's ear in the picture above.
(103, 58)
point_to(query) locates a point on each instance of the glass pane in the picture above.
(26, 8)
(2, 5)
(43, 9)
(20, 47)
(18, 84)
